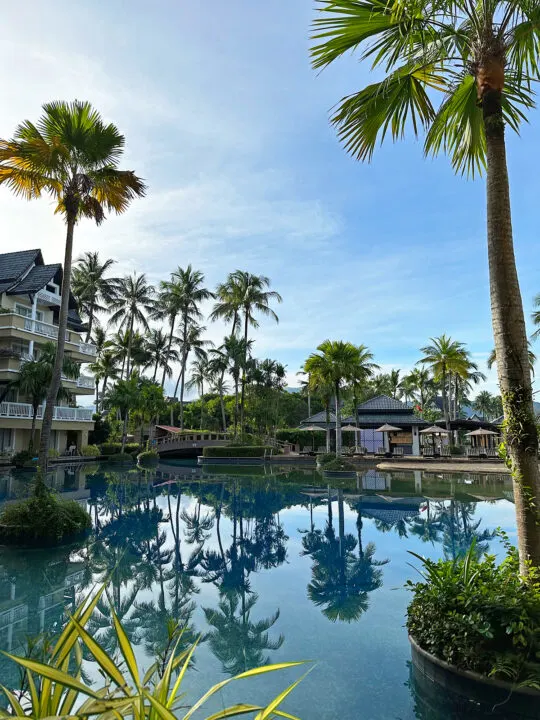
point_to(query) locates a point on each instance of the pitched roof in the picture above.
(373, 420)
(319, 417)
(36, 279)
(383, 402)
(14, 264)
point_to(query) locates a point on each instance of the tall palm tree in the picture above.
(483, 57)
(185, 292)
(334, 364)
(200, 374)
(362, 372)
(229, 302)
(492, 358)
(104, 368)
(218, 364)
(72, 155)
(125, 397)
(421, 384)
(483, 404)
(238, 352)
(93, 291)
(254, 297)
(131, 306)
(444, 357)
(160, 353)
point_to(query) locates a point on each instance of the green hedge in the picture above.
(112, 448)
(148, 457)
(90, 451)
(257, 451)
(121, 458)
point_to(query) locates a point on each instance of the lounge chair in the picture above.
(445, 451)
(397, 452)
(428, 451)
(360, 450)
(381, 452)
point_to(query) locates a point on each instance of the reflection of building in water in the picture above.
(391, 510)
(27, 612)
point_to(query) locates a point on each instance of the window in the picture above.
(22, 347)
(5, 439)
(26, 311)
(52, 289)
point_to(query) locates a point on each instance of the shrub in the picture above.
(232, 451)
(325, 458)
(53, 453)
(478, 615)
(23, 457)
(111, 448)
(456, 450)
(339, 464)
(132, 448)
(42, 519)
(90, 451)
(121, 458)
(148, 457)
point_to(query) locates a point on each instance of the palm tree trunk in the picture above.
(90, 322)
(202, 405)
(33, 429)
(445, 402)
(338, 421)
(327, 408)
(183, 371)
(130, 341)
(222, 402)
(104, 387)
(235, 406)
(511, 339)
(97, 394)
(155, 370)
(124, 429)
(46, 423)
(167, 354)
(246, 325)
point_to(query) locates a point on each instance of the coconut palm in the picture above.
(161, 354)
(192, 341)
(229, 302)
(444, 357)
(483, 57)
(132, 305)
(218, 364)
(200, 374)
(185, 292)
(72, 155)
(421, 384)
(238, 353)
(93, 291)
(105, 368)
(125, 396)
(254, 298)
(492, 358)
(334, 364)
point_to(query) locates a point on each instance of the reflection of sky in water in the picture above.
(361, 665)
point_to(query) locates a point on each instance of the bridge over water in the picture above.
(187, 444)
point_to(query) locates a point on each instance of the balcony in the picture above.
(23, 411)
(37, 327)
(86, 381)
(48, 298)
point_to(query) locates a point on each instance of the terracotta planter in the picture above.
(444, 687)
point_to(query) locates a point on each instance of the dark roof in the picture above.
(319, 417)
(13, 265)
(36, 279)
(373, 420)
(383, 402)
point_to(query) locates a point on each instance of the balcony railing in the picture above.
(49, 298)
(47, 330)
(24, 411)
(86, 381)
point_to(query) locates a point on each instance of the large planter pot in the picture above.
(447, 689)
(339, 474)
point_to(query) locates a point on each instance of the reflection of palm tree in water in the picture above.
(236, 640)
(460, 530)
(341, 581)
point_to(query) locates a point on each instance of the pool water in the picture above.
(267, 565)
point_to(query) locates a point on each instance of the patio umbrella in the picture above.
(311, 428)
(434, 430)
(355, 430)
(480, 432)
(386, 428)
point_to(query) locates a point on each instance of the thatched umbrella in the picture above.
(386, 428)
(433, 431)
(355, 430)
(481, 433)
(312, 429)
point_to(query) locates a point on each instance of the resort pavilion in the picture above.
(374, 413)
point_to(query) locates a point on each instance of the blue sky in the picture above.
(228, 123)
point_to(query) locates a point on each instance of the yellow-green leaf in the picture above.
(126, 650)
(52, 674)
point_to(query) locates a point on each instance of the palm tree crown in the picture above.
(91, 288)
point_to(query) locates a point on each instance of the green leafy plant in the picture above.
(90, 451)
(53, 453)
(56, 688)
(21, 458)
(339, 464)
(148, 457)
(121, 458)
(478, 615)
(325, 458)
(42, 519)
(237, 451)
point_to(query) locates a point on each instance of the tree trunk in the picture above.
(445, 401)
(90, 322)
(202, 405)
(327, 408)
(167, 354)
(155, 370)
(338, 421)
(104, 387)
(183, 371)
(124, 429)
(509, 330)
(32, 444)
(235, 406)
(130, 342)
(97, 394)
(222, 402)
(46, 423)
(246, 325)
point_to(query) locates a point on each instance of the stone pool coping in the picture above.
(445, 466)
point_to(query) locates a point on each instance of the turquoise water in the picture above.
(268, 564)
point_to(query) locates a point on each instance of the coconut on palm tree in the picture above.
(92, 289)
(72, 155)
(132, 305)
(483, 58)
